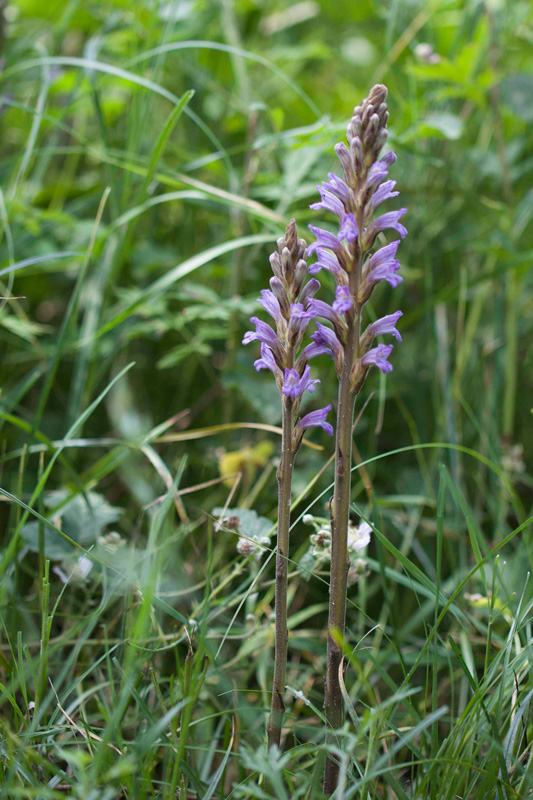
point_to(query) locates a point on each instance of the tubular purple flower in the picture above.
(324, 239)
(388, 159)
(344, 157)
(387, 272)
(378, 357)
(320, 309)
(343, 300)
(384, 193)
(270, 303)
(383, 266)
(295, 386)
(267, 361)
(339, 188)
(298, 312)
(329, 202)
(326, 260)
(310, 290)
(316, 419)
(315, 349)
(376, 174)
(326, 337)
(349, 229)
(263, 333)
(384, 255)
(386, 325)
(389, 220)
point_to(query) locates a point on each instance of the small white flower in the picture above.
(358, 537)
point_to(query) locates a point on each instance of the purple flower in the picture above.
(315, 349)
(376, 174)
(295, 386)
(343, 300)
(325, 337)
(270, 303)
(378, 357)
(316, 419)
(384, 266)
(267, 361)
(343, 154)
(320, 309)
(388, 159)
(389, 220)
(384, 254)
(349, 229)
(324, 239)
(339, 188)
(325, 341)
(263, 333)
(309, 290)
(298, 313)
(384, 193)
(386, 325)
(329, 202)
(326, 260)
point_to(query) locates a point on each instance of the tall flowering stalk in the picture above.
(287, 301)
(354, 200)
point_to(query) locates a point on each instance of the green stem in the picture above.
(282, 553)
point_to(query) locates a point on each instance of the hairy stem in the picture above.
(282, 553)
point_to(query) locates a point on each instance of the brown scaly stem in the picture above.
(340, 517)
(282, 553)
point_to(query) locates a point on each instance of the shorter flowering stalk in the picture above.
(346, 255)
(287, 302)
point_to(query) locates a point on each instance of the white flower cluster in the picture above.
(358, 540)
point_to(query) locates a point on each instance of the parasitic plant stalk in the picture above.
(346, 255)
(287, 302)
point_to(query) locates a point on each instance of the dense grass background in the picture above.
(151, 154)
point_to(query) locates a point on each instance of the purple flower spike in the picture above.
(349, 229)
(317, 419)
(263, 333)
(378, 357)
(343, 300)
(389, 220)
(386, 325)
(326, 260)
(294, 386)
(324, 239)
(384, 193)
